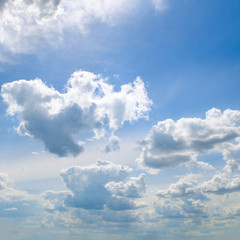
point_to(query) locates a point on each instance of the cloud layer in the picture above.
(89, 104)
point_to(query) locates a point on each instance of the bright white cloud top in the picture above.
(89, 104)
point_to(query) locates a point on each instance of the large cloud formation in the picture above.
(89, 104)
(171, 143)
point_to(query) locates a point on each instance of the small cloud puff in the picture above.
(89, 104)
(113, 144)
(171, 143)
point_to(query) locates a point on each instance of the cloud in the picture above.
(26, 25)
(171, 143)
(16, 203)
(222, 184)
(133, 188)
(89, 104)
(185, 187)
(87, 184)
(183, 199)
(97, 186)
(113, 144)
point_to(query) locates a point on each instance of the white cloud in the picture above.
(97, 186)
(185, 187)
(26, 24)
(222, 184)
(171, 143)
(89, 104)
(133, 188)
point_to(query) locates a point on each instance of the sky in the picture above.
(119, 119)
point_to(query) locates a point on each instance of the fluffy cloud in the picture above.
(171, 143)
(133, 188)
(222, 184)
(184, 199)
(89, 104)
(95, 186)
(87, 184)
(185, 187)
(27, 24)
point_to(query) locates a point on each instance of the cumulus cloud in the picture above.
(87, 184)
(89, 104)
(184, 198)
(171, 143)
(222, 184)
(96, 186)
(185, 187)
(133, 188)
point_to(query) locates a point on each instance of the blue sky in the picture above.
(119, 119)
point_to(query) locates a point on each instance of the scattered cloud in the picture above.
(171, 143)
(113, 144)
(89, 104)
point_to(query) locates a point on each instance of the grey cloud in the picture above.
(87, 184)
(97, 186)
(2, 4)
(120, 204)
(171, 143)
(113, 144)
(88, 105)
(185, 199)
(120, 217)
